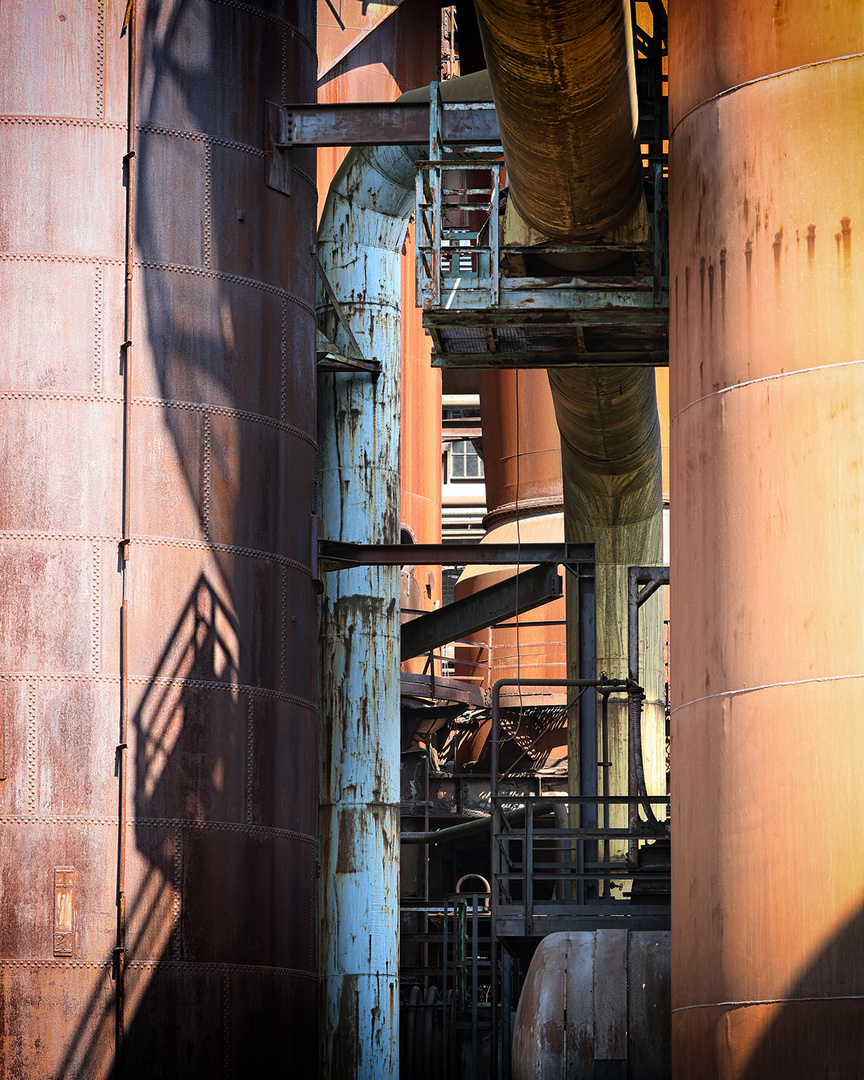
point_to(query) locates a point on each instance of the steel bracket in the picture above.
(278, 126)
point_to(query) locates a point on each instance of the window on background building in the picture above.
(465, 462)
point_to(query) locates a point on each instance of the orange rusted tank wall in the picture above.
(420, 450)
(210, 447)
(522, 460)
(767, 433)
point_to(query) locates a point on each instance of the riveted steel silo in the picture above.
(157, 617)
(767, 384)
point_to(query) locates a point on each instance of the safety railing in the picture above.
(457, 232)
(466, 979)
(564, 864)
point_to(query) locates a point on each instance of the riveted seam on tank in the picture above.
(283, 656)
(202, 684)
(173, 823)
(305, 176)
(90, 965)
(32, 685)
(205, 487)
(283, 74)
(37, 256)
(97, 332)
(239, 969)
(100, 59)
(176, 899)
(63, 121)
(200, 136)
(217, 410)
(250, 759)
(236, 279)
(270, 17)
(96, 612)
(208, 204)
(226, 410)
(283, 373)
(169, 965)
(169, 541)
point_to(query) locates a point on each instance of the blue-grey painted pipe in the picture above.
(359, 246)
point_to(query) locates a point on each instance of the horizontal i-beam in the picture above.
(340, 555)
(383, 123)
(491, 605)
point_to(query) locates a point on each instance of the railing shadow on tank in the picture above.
(167, 729)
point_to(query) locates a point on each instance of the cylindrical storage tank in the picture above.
(595, 1004)
(419, 453)
(767, 381)
(191, 480)
(524, 499)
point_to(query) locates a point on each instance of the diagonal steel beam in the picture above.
(494, 604)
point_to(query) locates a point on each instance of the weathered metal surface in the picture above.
(221, 807)
(553, 307)
(343, 28)
(420, 450)
(766, 384)
(512, 361)
(595, 1005)
(572, 89)
(524, 496)
(343, 555)
(542, 75)
(505, 600)
(441, 687)
(391, 123)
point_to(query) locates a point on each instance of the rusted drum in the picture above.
(217, 419)
(596, 1004)
(767, 385)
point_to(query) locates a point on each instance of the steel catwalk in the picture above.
(157, 394)
(767, 381)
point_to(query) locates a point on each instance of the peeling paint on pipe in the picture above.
(360, 238)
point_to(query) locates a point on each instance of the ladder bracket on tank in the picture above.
(277, 125)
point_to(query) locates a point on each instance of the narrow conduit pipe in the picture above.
(360, 239)
(563, 81)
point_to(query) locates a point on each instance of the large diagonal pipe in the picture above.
(563, 81)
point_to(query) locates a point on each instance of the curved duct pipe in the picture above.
(360, 239)
(563, 82)
(564, 88)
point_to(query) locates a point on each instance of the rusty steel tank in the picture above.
(767, 430)
(419, 452)
(524, 498)
(595, 1003)
(157, 616)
